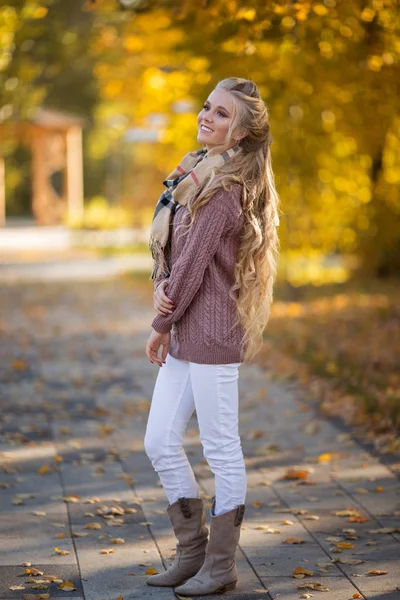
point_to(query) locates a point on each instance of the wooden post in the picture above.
(74, 173)
(2, 193)
(40, 200)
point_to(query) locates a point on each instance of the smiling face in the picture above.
(215, 118)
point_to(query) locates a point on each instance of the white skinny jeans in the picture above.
(212, 390)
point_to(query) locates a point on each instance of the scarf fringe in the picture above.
(160, 268)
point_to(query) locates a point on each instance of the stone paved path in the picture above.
(75, 392)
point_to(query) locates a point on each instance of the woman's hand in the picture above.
(153, 345)
(163, 305)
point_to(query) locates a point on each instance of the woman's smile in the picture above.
(205, 128)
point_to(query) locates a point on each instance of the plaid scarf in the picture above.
(182, 185)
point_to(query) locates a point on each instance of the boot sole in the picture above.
(229, 587)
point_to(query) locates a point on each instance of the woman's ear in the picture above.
(240, 135)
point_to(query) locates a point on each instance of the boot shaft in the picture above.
(225, 528)
(188, 520)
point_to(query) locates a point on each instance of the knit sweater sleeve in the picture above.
(188, 270)
(158, 282)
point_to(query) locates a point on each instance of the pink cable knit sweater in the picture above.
(202, 272)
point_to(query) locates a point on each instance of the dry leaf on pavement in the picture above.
(345, 545)
(67, 586)
(93, 526)
(15, 588)
(349, 561)
(295, 474)
(348, 512)
(314, 585)
(385, 530)
(61, 552)
(377, 572)
(299, 573)
(33, 571)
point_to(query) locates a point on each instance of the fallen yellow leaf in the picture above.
(294, 474)
(61, 552)
(73, 498)
(93, 526)
(106, 430)
(44, 469)
(327, 457)
(349, 561)
(151, 571)
(348, 512)
(293, 540)
(345, 545)
(358, 519)
(19, 365)
(314, 585)
(300, 572)
(33, 571)
(67, 586)
(377, 572)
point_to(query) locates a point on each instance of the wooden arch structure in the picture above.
(55, 141)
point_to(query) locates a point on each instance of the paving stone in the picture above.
(39, 549)
(285, 588)
(12, 575)
(280, 561)
(23, 524)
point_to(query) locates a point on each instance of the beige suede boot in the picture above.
(188, 520)
(218, 573)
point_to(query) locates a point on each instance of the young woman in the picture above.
(215, 247)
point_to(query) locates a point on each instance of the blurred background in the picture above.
(98, 102)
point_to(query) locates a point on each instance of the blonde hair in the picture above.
(256, 261)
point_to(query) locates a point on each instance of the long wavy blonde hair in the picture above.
(256, 262)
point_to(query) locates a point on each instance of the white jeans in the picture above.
(212, 390)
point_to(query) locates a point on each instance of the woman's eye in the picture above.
(206, 107)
